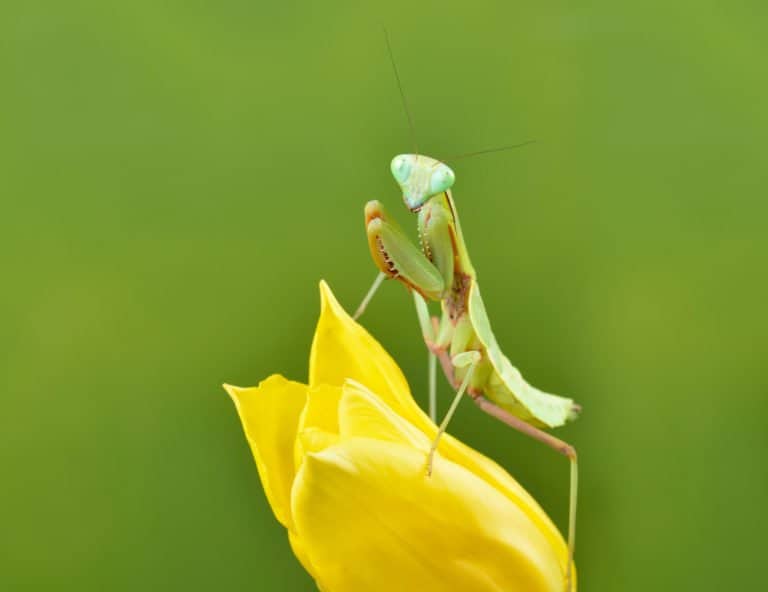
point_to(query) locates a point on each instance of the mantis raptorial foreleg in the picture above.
(397, 257)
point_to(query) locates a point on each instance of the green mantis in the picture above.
(461, 339)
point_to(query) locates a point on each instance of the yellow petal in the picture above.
(501, 480)
(270, 415)
(322, 409)
(320, 414)
(342, 349)
(314, 440)
(371, 520)
(363, 415)
(301, 554)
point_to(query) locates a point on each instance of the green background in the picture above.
(175, 178)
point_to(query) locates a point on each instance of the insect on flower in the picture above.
(342, 463)
(461, 339)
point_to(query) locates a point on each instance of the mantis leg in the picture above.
(397, 257)
(432, 387)
(429, 333)
(471, 358)
(558, 445)
(371, 291)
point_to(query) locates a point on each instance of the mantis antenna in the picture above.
(402, 94)
(488, 150)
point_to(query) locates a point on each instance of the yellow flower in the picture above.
(342, 461)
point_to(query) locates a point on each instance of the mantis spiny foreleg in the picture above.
(397, 257)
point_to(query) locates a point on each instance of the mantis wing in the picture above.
(507, 387)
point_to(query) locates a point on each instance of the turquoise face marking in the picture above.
(442, 179)
(420, 177)
(401, 168)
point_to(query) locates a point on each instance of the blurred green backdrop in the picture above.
(175, 177)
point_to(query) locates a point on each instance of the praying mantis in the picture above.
(462, 339)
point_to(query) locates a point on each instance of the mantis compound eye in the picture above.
(401, 168)
(442, 179)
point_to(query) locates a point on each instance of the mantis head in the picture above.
(420, 177)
